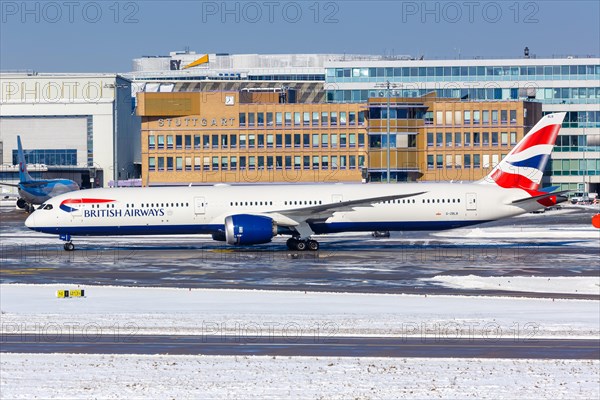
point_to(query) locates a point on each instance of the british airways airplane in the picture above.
(246, 215)
(36, 191)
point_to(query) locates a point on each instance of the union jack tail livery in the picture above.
(524, 166)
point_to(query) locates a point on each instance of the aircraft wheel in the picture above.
(313, 245)
(300, 245)
(291, 243)
(69, 246)
(30, 209)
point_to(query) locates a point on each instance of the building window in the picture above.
(206, 163)
(224, 141)
(161, 142)
(306, 139)
(169, 141)
(206, 141)
(251, 119)
(188, 142)
(439, 161)
(297, 119)
(269, 119)
(467, 160)
(429, 139)
(215, 141)
(486, 138)
(270, 140)
(439, 118)
(188, 163)
(161, 163)
(324, 119)
(197, 165)
(476, 161)
(196, 141)
(242, 141)
(352, 139)
(270, 162)
(449, 118)
(233, 163)
(306, 162)
(279, 140)
(513, 138)
(179, 163)
(315, 118)
(288, 140)
(251, 141)
(494, 138)
(457, 139)
(261, 141)
(503, 117)
(278, 162)
(361, 118)
(448, 139)
(439, 139)
(334, 141)
(476, 139)
(334, 118)
(361, 140)
(224, 166)
(260, 119)
(242, 119)
(486, 117)
(430, 164)
(476, 117)
(233, 141)
(343, 163)
(315, 162)
(513, 116)
(288, 118)
(343, 141)
(278, 119)
(467, 139)
(495, 117)
(151, 142)
(288, 162)
(352, 118)
(297, 162)
(324, 162)
(151, 163)
(352, 162)
(261, 162)
(169, 163)
(343, 119)
(504, 138)
(467, 117)
(306, 118)
(324, 140)
(252, 162)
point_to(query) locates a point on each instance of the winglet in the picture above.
(23, 174)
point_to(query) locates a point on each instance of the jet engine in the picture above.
(245, 229)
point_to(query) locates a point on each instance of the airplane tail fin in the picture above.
(23, 174)
(524, 166)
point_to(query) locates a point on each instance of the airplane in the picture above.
(254, 214)
(37, 191)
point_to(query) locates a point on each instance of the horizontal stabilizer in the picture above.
(540, 197)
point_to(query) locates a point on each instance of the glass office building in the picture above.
(569, 84)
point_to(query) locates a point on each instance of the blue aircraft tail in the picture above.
(23, 174)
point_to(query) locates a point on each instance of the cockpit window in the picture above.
(45, 207)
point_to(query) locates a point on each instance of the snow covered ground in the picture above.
(539, 284)
(52, 376)
(124, 310)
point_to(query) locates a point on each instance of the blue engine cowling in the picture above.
(243, 229)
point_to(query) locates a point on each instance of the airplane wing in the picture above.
(9, 184)
(296, 216)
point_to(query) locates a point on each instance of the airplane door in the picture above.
(199, 205)
(471, 201)
(337, 198)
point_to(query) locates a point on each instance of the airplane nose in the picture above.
(30, 221)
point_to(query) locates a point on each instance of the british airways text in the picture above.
(134, 212)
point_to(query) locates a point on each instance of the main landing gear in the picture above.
(301, 245)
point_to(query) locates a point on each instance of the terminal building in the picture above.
(77, 126)
(249, 137)
(568, 84)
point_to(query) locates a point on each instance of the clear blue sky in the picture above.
(104, 36)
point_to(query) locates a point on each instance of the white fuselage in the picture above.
(203, 209)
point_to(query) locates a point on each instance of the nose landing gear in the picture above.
(68, 246)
